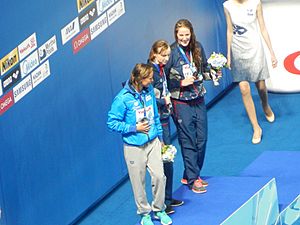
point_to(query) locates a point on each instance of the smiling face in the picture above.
(183, 36)
(163, 56)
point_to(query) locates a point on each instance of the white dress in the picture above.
(248, 61)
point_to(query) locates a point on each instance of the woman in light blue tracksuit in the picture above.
(134, 114)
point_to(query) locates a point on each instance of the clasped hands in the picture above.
(191, 79)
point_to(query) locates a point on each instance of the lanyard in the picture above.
(187, 60)
(143, 103)
(157, 67)
(165, 89)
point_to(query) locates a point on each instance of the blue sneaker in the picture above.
(163, 217)
(146, 220)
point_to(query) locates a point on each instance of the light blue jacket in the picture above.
(128, 108)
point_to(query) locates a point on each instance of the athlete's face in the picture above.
(163, 56)
(183, 36)
(147, 81)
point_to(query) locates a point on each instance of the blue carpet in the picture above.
(224, 196)
(284, 166)
(229, 152)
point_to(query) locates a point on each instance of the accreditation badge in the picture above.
(186, 70)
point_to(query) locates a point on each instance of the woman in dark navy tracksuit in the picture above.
(186, 70)
(158, 57)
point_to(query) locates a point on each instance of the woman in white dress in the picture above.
(246, 57)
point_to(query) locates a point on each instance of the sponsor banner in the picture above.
(98, 26)
(1, 92)
(285, 77)
(40, 74)
(70, 30)
(81, 40)
(115, 12)
(82, 4)
(88, 16)
(29, 63)
(22, 89)
(27, 46)
(47, 49)
(292, 63)
(6, 102)
(11, 79)
(9, 61)
(103, 5)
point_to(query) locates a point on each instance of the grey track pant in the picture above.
(138, 159)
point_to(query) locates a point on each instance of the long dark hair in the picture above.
(196, 51)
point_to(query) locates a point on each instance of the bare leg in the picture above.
(250, 108)
(262, 91)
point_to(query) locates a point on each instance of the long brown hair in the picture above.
(158, 47)
(140, 71)
(196, 51)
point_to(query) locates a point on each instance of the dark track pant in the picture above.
(191, 121)
(168, 166)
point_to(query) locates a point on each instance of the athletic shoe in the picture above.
(184, 181)
(169, 209)
(198, 187)
(146, 220)
(176, 202)
(204, 183)
(163, 217)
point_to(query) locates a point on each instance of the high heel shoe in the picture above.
(271, 118)
(256, 140)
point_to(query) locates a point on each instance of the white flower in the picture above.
(168, 153)
(217, 61)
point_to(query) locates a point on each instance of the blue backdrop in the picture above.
(57, 156)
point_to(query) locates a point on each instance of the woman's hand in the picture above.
(228, 62)
(168, 100)
(143, 127)
(274, 61)
(187, 81)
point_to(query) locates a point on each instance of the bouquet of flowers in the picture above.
(168, 153)
(216, 62)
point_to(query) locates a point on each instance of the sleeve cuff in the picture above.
(132, 128)
(160, 137)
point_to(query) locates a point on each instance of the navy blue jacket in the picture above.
(175, 75)
(158, 82)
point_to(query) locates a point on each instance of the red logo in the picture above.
(6, 102)
(81, 40)
(289, 63)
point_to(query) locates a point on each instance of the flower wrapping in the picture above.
(168, 153)
(216, 61)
